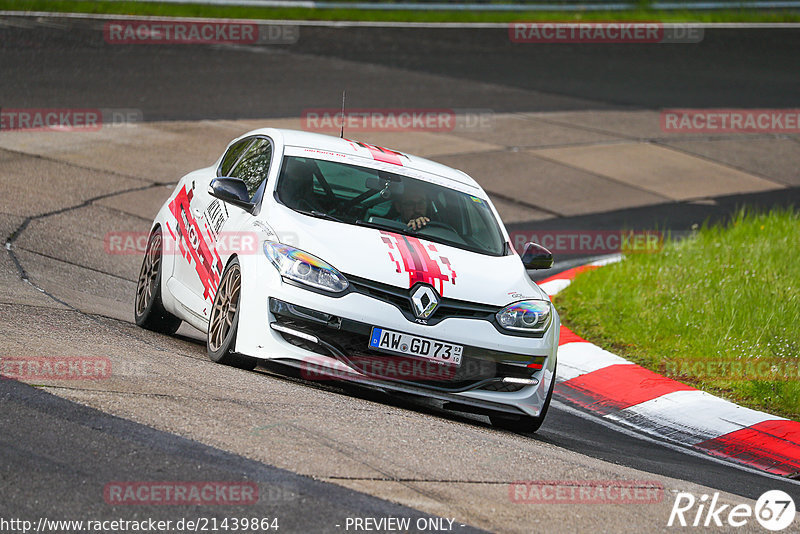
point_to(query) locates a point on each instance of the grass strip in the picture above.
(251, 12)
(719, 310)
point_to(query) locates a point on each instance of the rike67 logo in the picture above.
(774, 511)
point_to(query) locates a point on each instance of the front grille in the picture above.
(400, 298)
(503, 388)
(348, 341)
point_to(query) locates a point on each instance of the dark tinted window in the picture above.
(253, 167)
(232, 155)
(369, 197)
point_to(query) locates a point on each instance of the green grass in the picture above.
(726, 298)
(244, 12)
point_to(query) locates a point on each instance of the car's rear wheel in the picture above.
(149, 311)
(524, 424)
(224, 320)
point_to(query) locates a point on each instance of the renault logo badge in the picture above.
(424, 301)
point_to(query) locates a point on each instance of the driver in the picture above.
(413, 207)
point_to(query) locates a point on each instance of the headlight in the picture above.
(304, 268)
(531, 316)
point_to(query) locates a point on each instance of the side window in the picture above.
(253, 167)
(232, 155)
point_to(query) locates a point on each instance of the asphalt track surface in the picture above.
(51, 445)
(68, 63)
(72, 446)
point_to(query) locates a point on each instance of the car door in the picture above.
(200, 218)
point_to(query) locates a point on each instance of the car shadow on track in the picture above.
(398, 400)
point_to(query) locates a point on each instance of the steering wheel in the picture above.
(437, 224)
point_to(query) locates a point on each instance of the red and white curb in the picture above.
(614, 388)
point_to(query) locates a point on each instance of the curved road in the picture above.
(167, 413)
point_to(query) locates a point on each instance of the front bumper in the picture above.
(348, 341)
(494, 373)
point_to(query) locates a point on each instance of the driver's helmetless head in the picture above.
(413, 203)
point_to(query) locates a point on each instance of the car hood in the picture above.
(400, 260)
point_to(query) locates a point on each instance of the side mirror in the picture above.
(232, 191)
(536, 256)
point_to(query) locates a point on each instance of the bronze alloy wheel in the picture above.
(226, 302)
(148, 275)
(148, 310)
(224, 321)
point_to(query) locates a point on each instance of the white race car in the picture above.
(351, 261)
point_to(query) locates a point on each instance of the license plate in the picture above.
(409, 345)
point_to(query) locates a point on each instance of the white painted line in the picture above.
(617, 427)
(580, 358)
(690, 416)
(553, 287)
(613, 258)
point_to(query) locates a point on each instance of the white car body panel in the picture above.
(354, 251)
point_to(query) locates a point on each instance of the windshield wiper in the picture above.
(406, 231)
(319, 215)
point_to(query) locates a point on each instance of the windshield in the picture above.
(380, 199)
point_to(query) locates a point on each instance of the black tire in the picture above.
(148, 310)
(224, 321)
(524, 424)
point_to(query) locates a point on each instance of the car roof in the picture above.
(350, 147)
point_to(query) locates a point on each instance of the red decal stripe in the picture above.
(431, 273)
(617, 387)
(408, 261)
(382, 154)
(417, 263)
(773, 446)
(396, 263)
(203, 260)
(449, 268)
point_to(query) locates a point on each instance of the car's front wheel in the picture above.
(524, 424)
(149, 311)
(224, 320)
